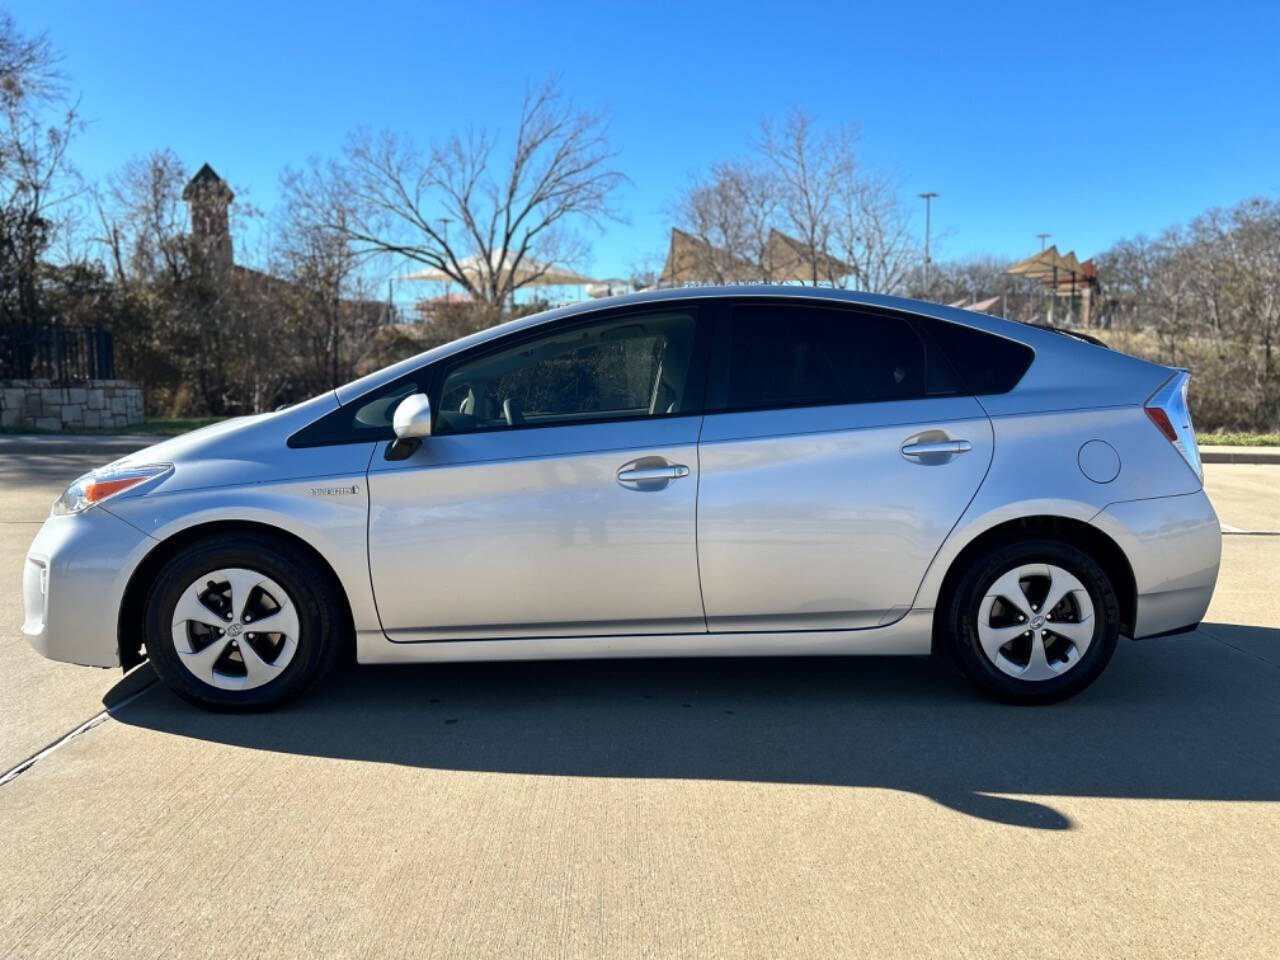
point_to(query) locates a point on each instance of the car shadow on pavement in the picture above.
(1184, 718)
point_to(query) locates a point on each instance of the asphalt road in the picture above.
(661, 808)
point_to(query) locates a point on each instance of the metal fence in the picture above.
(56, 352)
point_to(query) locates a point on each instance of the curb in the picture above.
(1239, 455)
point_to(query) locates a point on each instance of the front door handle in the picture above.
(672, 471)
(927, 448)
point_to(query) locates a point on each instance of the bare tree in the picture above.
(143, 220)
(36, 179)
(871, 232)
(200, 341)
(328, 310)
(812, 168)
(802, 209)
(645, 270)
(1206, 296)
(512, 217)
(1255, 248)
(732, 213)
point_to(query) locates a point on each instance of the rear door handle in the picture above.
(672, 471)
(927, 447)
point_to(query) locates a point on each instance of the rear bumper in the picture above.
(1174, 545)
(74, 576)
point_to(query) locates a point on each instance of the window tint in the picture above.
(984, 362)
(630, 366)
(787, 355)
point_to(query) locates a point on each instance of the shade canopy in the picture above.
(530, 273)
(1049, 266)
(608, 287)
(1064, 275)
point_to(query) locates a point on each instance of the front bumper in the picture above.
(72, 583)
(1174, 545)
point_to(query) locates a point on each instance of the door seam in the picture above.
(697, 502)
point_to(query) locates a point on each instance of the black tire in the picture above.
(310, 588)
(961, 622)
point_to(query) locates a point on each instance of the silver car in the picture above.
(718, 471)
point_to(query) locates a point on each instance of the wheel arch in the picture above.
(1078, 533)
(129, 631)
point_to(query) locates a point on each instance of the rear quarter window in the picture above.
(984, 362)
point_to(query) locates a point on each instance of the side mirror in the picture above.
(412, 419)
(411, 423)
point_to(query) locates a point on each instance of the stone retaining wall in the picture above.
(88, 405)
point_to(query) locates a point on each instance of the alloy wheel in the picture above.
(1035, 622)
(235, 629)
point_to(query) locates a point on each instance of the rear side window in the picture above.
(984, 362)
(787, 355)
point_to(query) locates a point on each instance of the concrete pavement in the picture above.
(661, 808)
(39, 700)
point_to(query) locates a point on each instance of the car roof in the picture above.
(1043, 340)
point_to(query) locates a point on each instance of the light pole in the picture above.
(1043, 237)
(928, 209)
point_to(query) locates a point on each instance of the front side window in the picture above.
(788, 355)
(630, 366)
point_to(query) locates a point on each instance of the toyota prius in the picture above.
(749, 471)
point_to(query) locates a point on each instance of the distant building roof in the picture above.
(791, 259)
(206, 180)
(691, 259)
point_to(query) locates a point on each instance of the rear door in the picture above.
(836, 455)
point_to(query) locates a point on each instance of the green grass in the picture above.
(170, 426)
(1238, 439)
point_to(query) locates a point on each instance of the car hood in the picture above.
(243, 450)
(189, 445)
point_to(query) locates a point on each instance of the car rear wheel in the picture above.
(241, 623)
(1034, 622)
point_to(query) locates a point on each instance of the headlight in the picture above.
(104, 484)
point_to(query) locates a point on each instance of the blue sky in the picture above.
(1124, 119)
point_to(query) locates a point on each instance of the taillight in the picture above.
(1167, 408)
(1161, 420)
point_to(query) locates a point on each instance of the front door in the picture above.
(841, 457)
(557, 496)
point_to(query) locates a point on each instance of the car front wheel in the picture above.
(1034, 622)
(240, 623)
